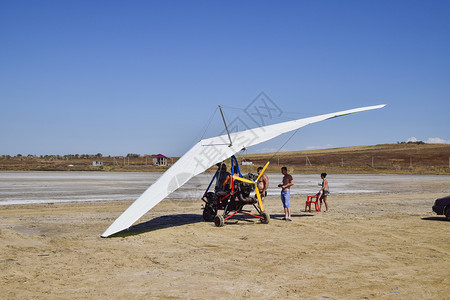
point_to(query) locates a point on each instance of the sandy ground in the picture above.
(377, 246)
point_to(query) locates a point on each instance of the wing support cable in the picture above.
(208, 124)
(282, 146)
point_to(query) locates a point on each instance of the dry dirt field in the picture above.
(378, 159)
(376, 246)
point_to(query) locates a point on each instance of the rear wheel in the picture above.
(218, 221)
(447, 213)
(266, 218)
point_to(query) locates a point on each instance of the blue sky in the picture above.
(118, 77)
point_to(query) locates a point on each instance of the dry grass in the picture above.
(388, 158)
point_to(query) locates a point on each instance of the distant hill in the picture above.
(406, 158)
(410, 158)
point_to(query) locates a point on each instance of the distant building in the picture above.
(97, 163)
(160, 160)
(247, 162)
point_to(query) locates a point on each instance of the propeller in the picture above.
(258, 195)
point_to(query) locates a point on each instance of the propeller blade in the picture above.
(243, 179)
(262, 172)
(259, 198)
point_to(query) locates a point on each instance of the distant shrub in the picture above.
(410, 142)
(417, 143)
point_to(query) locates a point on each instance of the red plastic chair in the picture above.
(313, 199)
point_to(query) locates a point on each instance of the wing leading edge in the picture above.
(205, 154)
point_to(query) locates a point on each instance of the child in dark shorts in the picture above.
(324, 191)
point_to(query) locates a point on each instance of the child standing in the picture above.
(324, 191)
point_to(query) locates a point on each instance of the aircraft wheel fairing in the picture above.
(266, 217)
(208, 214)
(218, 221)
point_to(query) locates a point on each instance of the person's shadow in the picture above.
(442, 219)
(160, 223)
(281, 216)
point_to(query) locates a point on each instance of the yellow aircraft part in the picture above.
(258, 195)
(259, 198)
(243, 179)
(262, 172)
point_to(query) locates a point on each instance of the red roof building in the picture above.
(160, 160)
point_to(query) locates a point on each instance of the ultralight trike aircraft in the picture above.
(207, 153)
(224, 203)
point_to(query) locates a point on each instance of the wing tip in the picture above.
(376, 106)
(108, 232)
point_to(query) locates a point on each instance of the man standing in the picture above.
(288, 181)
(263, 184)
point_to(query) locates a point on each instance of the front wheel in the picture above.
(219, 221)
(447, 213)
(266, 218)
